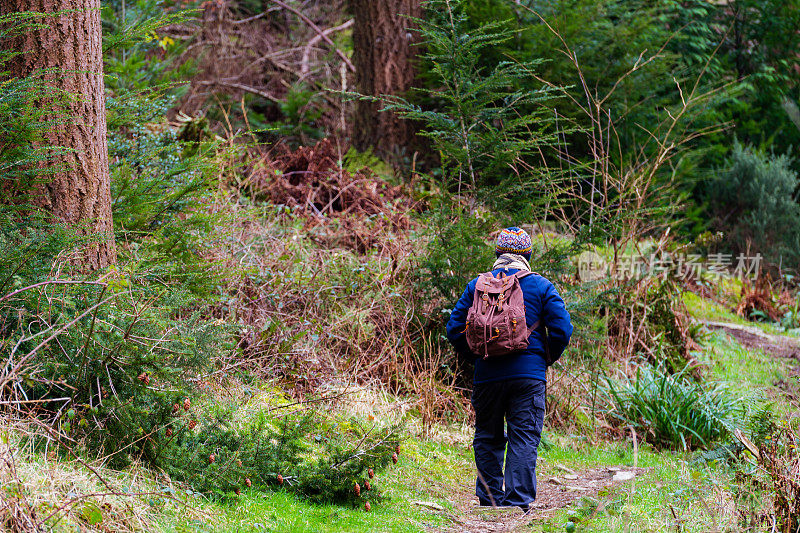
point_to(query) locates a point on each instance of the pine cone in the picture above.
(144, 378)
(212, 458)
(371, 473)
(367, 506)
(169, 432)
(367, 486)
(193, 423)
(280, 479)
(357, 489)
(394, 458)
(248, 482)
(186, 404)
(175, 408)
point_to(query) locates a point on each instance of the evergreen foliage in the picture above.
(112, 361)
(484, 125)
(320, 458)
(163, 179)
(487, 127)
(94, 347)
(24, 160)
(754, 202)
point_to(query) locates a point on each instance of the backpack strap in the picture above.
(519, 273)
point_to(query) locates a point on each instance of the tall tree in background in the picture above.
(383, 54)
(67, 51)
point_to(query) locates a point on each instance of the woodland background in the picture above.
(231, 233)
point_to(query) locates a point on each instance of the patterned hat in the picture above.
(514, 240)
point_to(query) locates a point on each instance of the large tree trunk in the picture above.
(383, 54)
(71, 46)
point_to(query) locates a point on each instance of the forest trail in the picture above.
(560, 491)
(778, 346)
(554, 493)
(782, 346)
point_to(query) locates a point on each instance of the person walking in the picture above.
(510, 366)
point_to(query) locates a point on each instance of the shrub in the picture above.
(106, 359)
(672, 410)
(457, 251)
(163, 178)
(649, 320)
(319, 457)
(753, 202)
(109, 361)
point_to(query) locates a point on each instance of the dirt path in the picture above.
(752, 337)
(566, 487)
(554, 493)
(778, 346)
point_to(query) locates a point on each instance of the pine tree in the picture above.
(66, 51)
(383, 52)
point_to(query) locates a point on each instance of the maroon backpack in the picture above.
(496, 320)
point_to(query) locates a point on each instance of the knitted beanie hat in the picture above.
(514, 240)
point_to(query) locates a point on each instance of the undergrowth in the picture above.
(674, 410)
(245, 267)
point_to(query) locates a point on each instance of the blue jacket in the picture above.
(542, 302)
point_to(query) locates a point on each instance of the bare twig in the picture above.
(52, 282)
(319, 31)
(241, 86)
(304, 68)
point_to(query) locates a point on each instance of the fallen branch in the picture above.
(254, 17)
(304, 68)
(245, 88)
(319, 31)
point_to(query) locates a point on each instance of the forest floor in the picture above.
(431, 487)
(554, 493)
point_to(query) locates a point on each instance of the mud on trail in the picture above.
(554, 493)
(777, 346)
(751, 337)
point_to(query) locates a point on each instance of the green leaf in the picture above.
(91, 513)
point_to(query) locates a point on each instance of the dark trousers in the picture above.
(520, 404)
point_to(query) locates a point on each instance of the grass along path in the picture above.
(431, 487)
(431, 490)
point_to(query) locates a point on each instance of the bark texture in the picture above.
(383, 54)
(71, 47)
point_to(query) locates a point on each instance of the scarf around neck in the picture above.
(515, 261)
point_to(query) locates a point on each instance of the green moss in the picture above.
(704, 309)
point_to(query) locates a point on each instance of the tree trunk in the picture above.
(71, 46)
(383, 54)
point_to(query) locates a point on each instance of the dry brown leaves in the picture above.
(780, 458)
(355, 211)
(757, 297)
